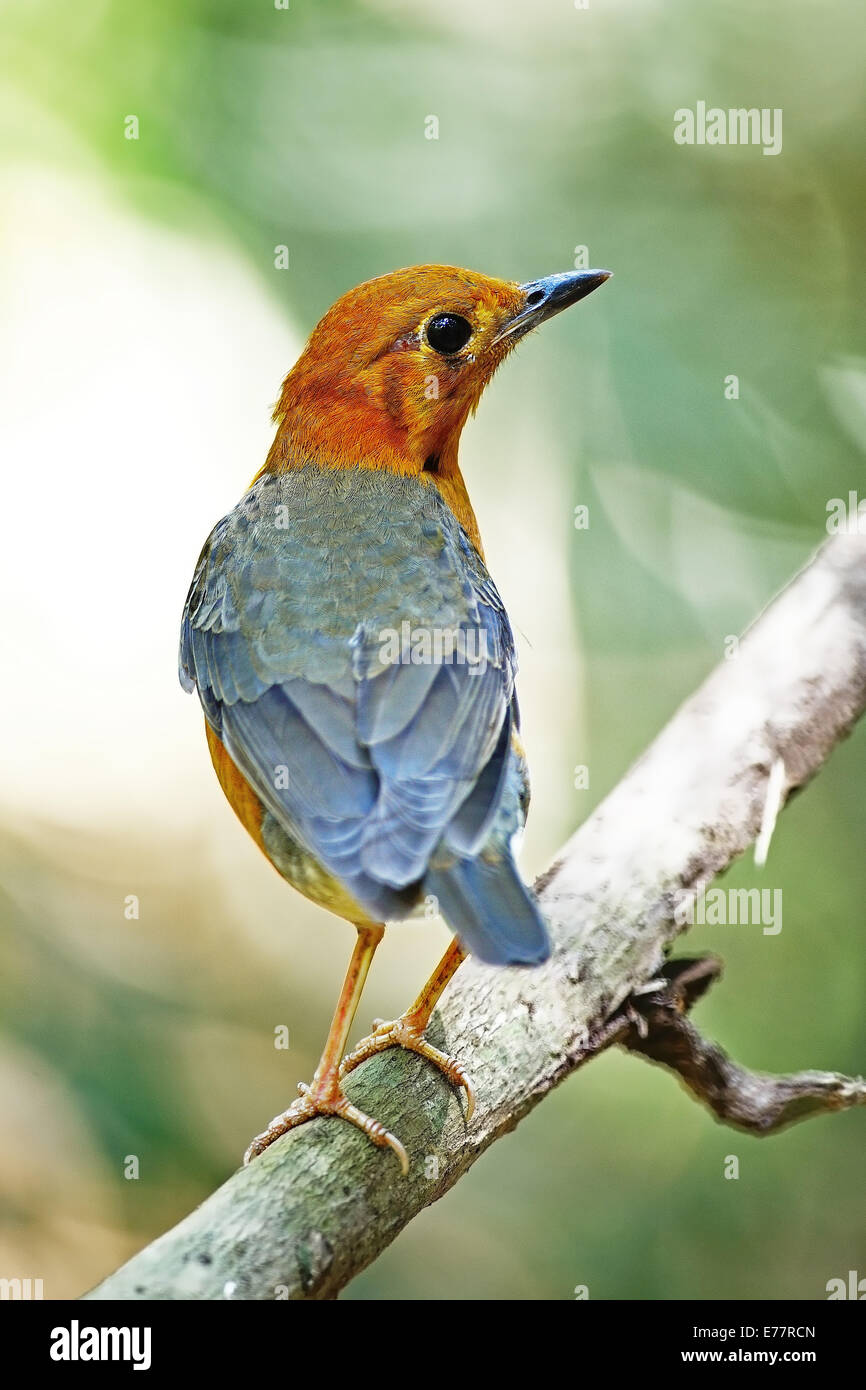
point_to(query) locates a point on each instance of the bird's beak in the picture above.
(544, 298)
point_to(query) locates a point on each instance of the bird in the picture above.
(354, 660)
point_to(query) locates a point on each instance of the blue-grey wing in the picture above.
(353, 655)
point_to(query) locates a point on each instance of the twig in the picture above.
(752, 1101)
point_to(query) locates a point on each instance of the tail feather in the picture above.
(491, 910)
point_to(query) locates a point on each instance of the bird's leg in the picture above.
(408, 1030)
(324, 1095)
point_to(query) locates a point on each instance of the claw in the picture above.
(405, 1032)
(329, 1102)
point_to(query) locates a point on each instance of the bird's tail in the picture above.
(491, 910)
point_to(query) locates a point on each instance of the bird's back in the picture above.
(355, 662)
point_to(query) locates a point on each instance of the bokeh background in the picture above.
(145, 331)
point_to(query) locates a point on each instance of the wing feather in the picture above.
(366, 762)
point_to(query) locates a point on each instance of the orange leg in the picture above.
(324, 1096)
(408, 1030)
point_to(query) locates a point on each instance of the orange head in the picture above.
(394, 369)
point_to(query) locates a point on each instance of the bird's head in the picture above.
(394, 369)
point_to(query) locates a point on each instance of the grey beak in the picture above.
(547, 297)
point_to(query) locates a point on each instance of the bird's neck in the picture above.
(444, 474)
(344, 429)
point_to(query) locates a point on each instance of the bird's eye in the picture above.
(448, 333)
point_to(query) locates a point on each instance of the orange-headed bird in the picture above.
(353, 657)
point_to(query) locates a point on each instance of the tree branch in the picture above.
(656, 1027)
(321, 1203)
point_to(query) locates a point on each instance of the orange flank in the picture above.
(238, 792)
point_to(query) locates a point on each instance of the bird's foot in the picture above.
(408, 1032)
(326, 1098)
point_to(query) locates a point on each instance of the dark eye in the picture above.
(448, 333)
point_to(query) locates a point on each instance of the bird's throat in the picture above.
(348, 432)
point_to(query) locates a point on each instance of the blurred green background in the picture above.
(145, 333)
